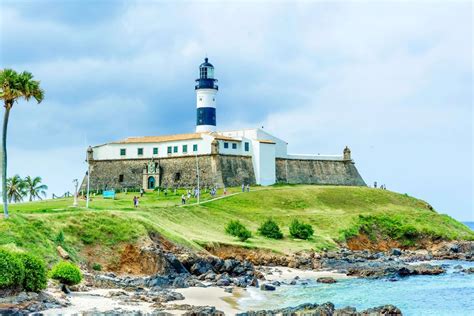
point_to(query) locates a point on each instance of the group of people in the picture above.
(382, 187)
(245, 187)
(136, 200)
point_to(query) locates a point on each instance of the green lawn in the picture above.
(333, 211)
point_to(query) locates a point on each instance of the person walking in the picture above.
(134, 201)
(142, 192)
(243, 187)
(248, 187)
(183, 199)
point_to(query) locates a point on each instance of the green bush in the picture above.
(301, 230)
(270, 229)
(35, 273)
(97, 267)
(67, 273)
(12, 270)
(59, 238)
(237, 229)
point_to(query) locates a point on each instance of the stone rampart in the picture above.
(329, 172)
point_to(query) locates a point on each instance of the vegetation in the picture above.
(235, 228)
(14, 86)
(97, 234)
(67, 273)
(301, 230)
(12, 270)
(34, 188)
(22, 271)
(35, 273)
(270, 229)
(18, 188)
(97, 267)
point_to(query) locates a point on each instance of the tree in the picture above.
(34, 188)
(16, 189)
(14, 86)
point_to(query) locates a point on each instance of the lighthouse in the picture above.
(206, 91)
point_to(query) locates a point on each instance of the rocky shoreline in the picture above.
(179, 268)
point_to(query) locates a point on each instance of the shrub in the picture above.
(237, 229)
(67, 273)
(270, 229)
(12, 270)
(301, 230)
(97, 267)
(233, 227)
(59, 238)
(35, 273)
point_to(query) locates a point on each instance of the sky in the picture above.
(392, 80)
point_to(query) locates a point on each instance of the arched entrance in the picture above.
(151, 183)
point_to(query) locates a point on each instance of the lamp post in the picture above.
(76, 183)
(197, 175)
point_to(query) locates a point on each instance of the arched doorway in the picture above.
(151, 183)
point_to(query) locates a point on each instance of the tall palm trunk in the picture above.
(4, 158)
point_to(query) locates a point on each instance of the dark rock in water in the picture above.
(293, 282)
(276, 283)
(458, 267)
(388, 310)
(396, 252)
(326, 309)
(65, 289)
(267, 287)
(393, 279)
(420, 269)
(468, 270)
(327, 280)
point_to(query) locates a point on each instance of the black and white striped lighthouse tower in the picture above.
(206, 90)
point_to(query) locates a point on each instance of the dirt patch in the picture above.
(255, 256)
(363, 242)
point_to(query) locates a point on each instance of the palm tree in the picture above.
(34, 187)
(16, 189)
(14, 86)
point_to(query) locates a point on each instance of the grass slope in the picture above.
(336, 213)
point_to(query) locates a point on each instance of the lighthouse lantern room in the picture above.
(206, 91)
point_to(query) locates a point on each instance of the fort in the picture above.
(214, 158)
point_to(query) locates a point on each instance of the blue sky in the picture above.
(393, 80)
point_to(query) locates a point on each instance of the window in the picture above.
(120, 178)
(234, 146)
(170, 149)
(123, 151)
(200, 99)
(185, 148)
(177, 176)
(155, 151)
(195, 147)
(175, 149)
(247, 147)
(226, 145)
(140, 151)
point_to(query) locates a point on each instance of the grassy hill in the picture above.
(336, 213)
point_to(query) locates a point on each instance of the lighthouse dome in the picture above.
(206, 63)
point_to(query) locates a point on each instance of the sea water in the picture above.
(451, 293)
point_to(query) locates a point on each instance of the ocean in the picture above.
(451, 293)
(469, 224)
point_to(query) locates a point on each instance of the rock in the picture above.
(388, 310)
(327, 280)
(458, 267)
(468, 270)
(62, 253)
(396, 252)
(203, 311)
(201, 267)
(223, 282)
(293, 282)
(180, 282)
(267, 287)
(228, 290)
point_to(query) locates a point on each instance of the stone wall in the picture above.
(174, 172)
(330, 172)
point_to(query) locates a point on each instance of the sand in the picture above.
(285, 274)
